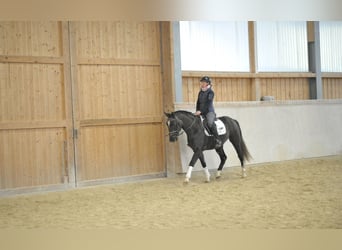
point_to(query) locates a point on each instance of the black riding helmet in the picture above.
(206, 79)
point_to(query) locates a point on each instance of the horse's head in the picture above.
(174, 125)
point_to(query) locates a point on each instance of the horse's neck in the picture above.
(189, 122)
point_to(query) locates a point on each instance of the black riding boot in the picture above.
(215, 134)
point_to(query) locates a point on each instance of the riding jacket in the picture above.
(205, 102)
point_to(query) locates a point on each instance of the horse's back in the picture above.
(230, 123)
(226, 119)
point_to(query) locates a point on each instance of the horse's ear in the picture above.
(167, 114)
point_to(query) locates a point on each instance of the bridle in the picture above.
(178, 131)
(178, 128)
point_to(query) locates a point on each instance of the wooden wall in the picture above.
(226, 89)
(79, 101)
(332, 86)
(118, 99)
(289, 88)
(232, 87)
(35, 110)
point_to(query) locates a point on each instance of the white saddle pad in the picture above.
(221, 129)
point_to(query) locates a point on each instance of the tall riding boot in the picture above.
(215, 134)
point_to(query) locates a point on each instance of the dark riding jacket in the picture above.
(205, 101)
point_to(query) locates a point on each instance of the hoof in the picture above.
(207, 180)
(186, 180)
(243, 173)
(218, 175)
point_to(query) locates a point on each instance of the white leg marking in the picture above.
(244, 173)
(207, 174)
(218, 174)
(188, 174)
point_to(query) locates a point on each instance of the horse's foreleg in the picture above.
(194, 159)
(205, 169)
(188, 174)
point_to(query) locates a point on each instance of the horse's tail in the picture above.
(245, 151)
(241, 148)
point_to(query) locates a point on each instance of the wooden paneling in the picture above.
(285, 88)
(226, 89)
(32, 157)
(117, 99)
(31, 92)
(31, 39)
(191, 87)
(99, 82)
(120, 150)
(114, 91)
(231, 87)
(332, 88)
(118, 40)
(236, 89)
(35, 109)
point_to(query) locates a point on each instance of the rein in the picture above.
(193, 122)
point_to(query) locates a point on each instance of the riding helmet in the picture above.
(206, 79)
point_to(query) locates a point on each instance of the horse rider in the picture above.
(205, 107)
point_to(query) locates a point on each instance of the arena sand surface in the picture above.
(293, 194)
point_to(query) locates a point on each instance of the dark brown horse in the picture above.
(198, 141)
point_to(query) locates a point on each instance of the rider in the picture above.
(205, 106)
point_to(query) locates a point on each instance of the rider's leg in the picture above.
(211, 124)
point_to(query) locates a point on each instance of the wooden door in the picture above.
(36, 144)
(117, 100)
(86, 89)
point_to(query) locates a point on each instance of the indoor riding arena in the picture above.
(298, 194)
(84, 141)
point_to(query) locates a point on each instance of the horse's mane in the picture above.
(185, 112)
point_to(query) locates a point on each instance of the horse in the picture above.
(199, 141)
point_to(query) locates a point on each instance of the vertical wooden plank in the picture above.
(68, 143)
(274, 88)
(231, 87)
(336, 89)
(339, 88)
(184, 90)
(296, 86)
(223, 94)
(217, 88)
(328, 90)
(167, 50)
(229, 90)
(191, 88)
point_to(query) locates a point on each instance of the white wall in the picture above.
(277, 131)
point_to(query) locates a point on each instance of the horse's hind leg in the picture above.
(223, 158)
(236, 140)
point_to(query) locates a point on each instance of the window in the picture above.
(282, 46)
(331, 46)
(214, 46)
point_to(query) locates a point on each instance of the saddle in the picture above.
(220, 127)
